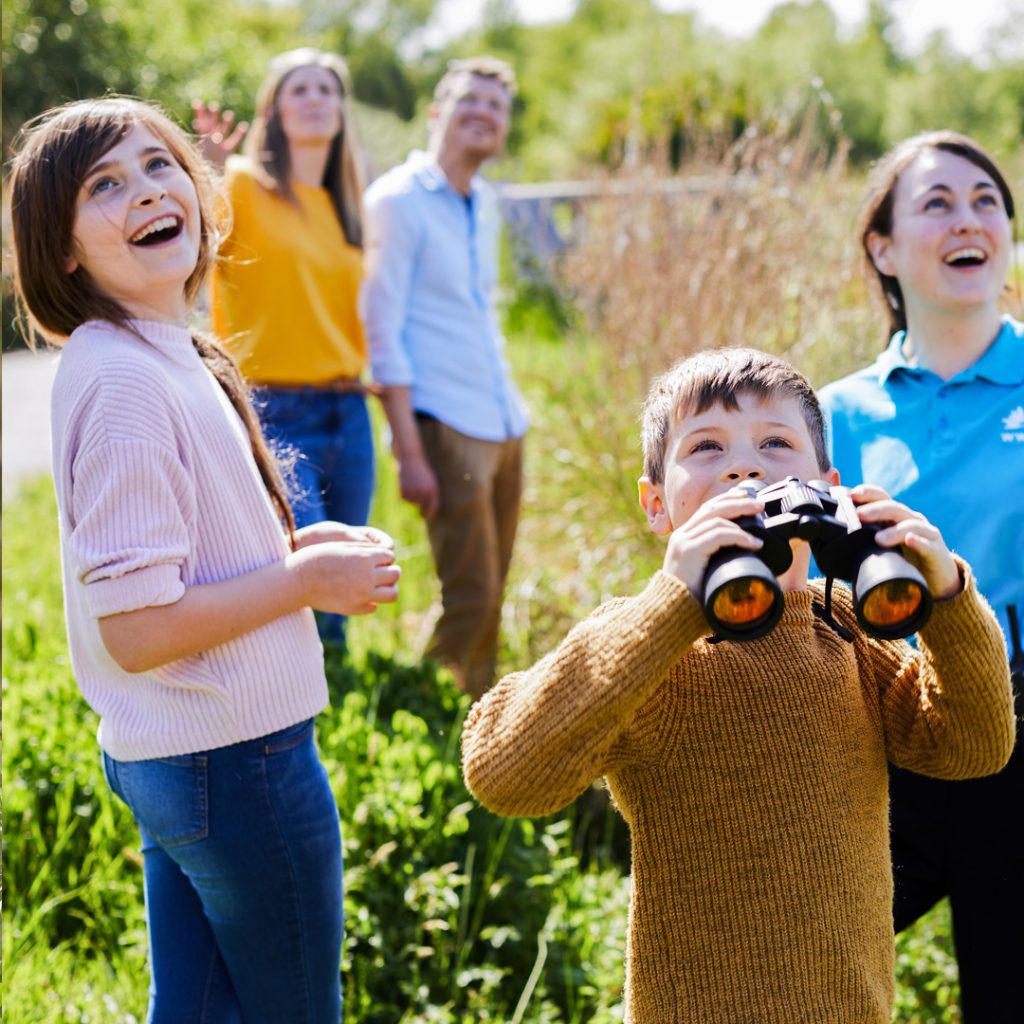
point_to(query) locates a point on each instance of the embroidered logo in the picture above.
(1013, 425)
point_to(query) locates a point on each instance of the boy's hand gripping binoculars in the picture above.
(743, 600)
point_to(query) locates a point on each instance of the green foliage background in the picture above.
(616, 79)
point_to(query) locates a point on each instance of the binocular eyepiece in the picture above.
(742, 597)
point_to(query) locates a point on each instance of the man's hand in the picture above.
(921, 542)
(418, 485)
(219, 136)
(708, 530)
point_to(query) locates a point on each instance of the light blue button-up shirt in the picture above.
(952, 450)
(427, 300)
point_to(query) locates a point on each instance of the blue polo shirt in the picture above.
(952, 450)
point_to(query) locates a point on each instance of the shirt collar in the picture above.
(429, 174)
(1001, 363)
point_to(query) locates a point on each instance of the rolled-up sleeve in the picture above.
(393, 240)
(132, 518)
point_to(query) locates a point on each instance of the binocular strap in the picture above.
(825, 612)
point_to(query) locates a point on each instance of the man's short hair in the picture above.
(719, 377)
(484, 66)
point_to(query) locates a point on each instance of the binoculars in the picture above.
(742, 598)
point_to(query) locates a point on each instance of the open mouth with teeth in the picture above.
(966, 258)
(161, 230)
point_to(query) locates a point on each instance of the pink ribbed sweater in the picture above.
(157, 490)
(753, 778)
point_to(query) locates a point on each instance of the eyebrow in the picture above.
(764, 425)
(940, 187)
(105, 164)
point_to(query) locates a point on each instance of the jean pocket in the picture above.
(288, 739)
(169, 796)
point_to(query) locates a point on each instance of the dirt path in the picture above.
(27, 379)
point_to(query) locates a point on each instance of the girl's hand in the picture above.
(346, 577)
(708, 530)
(217, 138)
(921, 542)
(328, 530)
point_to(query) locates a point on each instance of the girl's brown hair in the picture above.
(53, 155)
(267, 147)
(876, 218)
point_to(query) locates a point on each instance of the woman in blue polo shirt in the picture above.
(938, 421)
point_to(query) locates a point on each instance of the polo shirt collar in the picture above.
(1000, 364)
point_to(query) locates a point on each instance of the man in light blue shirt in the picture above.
(436, 349)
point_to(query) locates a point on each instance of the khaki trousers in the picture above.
(481, 486)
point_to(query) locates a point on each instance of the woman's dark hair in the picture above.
(54, 153)
(267, 147)
(876, 218)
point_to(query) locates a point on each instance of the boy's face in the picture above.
(711, 452)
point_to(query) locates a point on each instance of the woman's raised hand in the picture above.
(219, 136)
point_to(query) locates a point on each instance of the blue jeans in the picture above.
(243, 878)
(334, 470)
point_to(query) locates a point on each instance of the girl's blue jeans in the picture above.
(243, 878)
(334, 471)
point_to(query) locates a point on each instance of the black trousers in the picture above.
(965, 840)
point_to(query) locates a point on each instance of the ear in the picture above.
(433, 116)
(652, 501)
(831, 477)
(879, 247)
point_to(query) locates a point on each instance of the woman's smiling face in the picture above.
(951, 236)
(137, 227)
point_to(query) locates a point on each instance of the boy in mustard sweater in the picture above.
(752, 774)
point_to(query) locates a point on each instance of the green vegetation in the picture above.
(618, 79)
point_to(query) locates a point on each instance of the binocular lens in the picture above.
(892, 603)
(743, 602)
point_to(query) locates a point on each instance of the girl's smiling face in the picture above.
(950, 242)
(137, 227)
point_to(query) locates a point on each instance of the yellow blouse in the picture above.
(285, 288)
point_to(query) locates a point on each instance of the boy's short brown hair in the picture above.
(718, 377)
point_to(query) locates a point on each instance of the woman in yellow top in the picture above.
(285, 291)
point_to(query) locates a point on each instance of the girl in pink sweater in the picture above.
(188, 591)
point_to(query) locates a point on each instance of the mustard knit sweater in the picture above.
(753, 778)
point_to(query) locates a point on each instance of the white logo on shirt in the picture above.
(1014, 425)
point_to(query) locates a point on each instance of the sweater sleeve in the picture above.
(130, 511)
(540, 737)
(947, 709)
